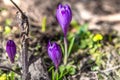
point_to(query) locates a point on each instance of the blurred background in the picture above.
(102, 18)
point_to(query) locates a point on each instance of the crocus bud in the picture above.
(54, 52)
(64, 16)
(11, 50)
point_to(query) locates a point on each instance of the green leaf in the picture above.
(94, 68)
(62, 48)
(83, 28)
(61, 68)
(66, 72)
(12, 75)
(38, 46)
(7, 30)
(53, 74)
(44, 24)
(71, 45)
(57, 76)
(75, 24)
(71, 69)
(8, 22)
(52, 67)
(1, 72)
(83, 44)
(2, 9)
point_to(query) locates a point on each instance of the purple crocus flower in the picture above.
(54, 52)
(11, 50)
(64, 16)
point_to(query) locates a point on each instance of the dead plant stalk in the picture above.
(24, 25)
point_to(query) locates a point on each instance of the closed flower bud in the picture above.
(11, 50)
(64, 16)
(54, 52)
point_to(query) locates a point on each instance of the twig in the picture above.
(95, 72)
(100, 71)
(17, 7)
(7, 68)
(107, 70)
(24, 25)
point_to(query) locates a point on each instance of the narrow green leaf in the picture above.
(50, 68)
(44, 24)
(62, 48)
(12, 76)
(57, 76)
(61, 74)
(71, 45)
(53, 74)
(65, 73)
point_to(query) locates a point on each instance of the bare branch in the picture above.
(17, 7)
(7, 68)
(107, 70)
(24, 25)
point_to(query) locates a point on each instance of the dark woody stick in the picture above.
(24, 25)
(7, 68)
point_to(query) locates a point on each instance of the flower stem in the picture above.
(56, 74)
(66, 54)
